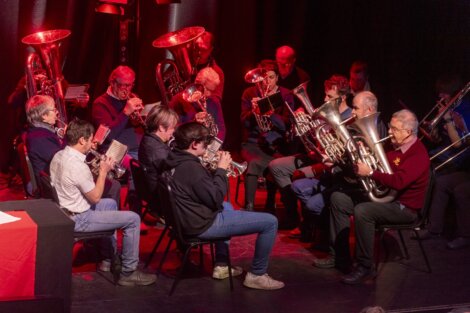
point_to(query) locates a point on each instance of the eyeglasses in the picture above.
(395, 129)
(122, 85)
(355, 107)
(52, 110)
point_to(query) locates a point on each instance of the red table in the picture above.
(18, 242)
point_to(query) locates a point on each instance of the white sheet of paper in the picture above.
(7, 218)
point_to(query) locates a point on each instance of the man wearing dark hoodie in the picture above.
(199, 197)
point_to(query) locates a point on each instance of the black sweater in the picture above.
(198, 193)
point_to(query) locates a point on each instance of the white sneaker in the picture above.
(264, 282)
(104, 266)
(221, 272)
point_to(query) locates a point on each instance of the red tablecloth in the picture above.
(18, 241)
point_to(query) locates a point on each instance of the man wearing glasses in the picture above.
(410, 163)
(117, 109)
(290, 75)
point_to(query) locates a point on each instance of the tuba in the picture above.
(256, 76)
(43, 70)
(173, 76)
(195, 93)
(372, 153)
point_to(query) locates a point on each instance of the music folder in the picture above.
(270, 103)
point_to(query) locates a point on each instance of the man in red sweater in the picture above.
(410, 163)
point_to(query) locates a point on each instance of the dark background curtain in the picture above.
(407, 44)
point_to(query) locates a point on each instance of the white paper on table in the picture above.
(7, 218)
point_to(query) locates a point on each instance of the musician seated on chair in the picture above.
(409, 162)
(299, 164)
(207, 105)
(264, 133)
(119, 109)
(202, 212)
(82, 199)
(154, 148)
(312, 191)
(42, 141)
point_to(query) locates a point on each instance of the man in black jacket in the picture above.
(199, 197)
(154, 149)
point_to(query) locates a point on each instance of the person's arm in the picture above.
(94, 195)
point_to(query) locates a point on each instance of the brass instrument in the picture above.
(332, 135)
(427, 125)
(195, 93)
(310, 130)
(60, 130)
(43, 70)
(135, 116)
(94, 164)
(173, 76)
(210, 159)
(341, 142)
(257, 76)
(372, 153)
(463, 139)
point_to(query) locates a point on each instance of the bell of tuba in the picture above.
(173, 76)
(374, 156)
(43, 68)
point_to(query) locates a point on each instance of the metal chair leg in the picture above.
(160, 239)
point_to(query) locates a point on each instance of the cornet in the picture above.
(210, 159)
(195, 93)
(257, 76)
(94, 165)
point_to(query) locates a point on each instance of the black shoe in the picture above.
(458, 243)
(359, 275)
(425, 234)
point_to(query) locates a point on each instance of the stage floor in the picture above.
(401, 286)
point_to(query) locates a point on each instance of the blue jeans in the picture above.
(308, 190)
(230, 223)
(104, 216)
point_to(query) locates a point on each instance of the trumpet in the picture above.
(135, 116)
(427, 125)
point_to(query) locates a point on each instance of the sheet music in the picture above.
(75, 91)
(101, 133)
(117, 151)
(7, 218)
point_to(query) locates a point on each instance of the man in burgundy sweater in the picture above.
(410, 163)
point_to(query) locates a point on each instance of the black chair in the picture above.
(166, 198)
(415, 226)
(145, 197)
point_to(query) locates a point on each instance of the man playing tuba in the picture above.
(410, 163)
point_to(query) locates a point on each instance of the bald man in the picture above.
(290, 75)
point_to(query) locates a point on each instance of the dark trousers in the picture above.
(454, 186)
(366, 216)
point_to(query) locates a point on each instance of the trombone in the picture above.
(427, 125)
(463, 139)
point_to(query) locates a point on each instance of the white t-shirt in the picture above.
(72, 179)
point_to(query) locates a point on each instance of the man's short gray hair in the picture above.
(37, 106)
(408, 119)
